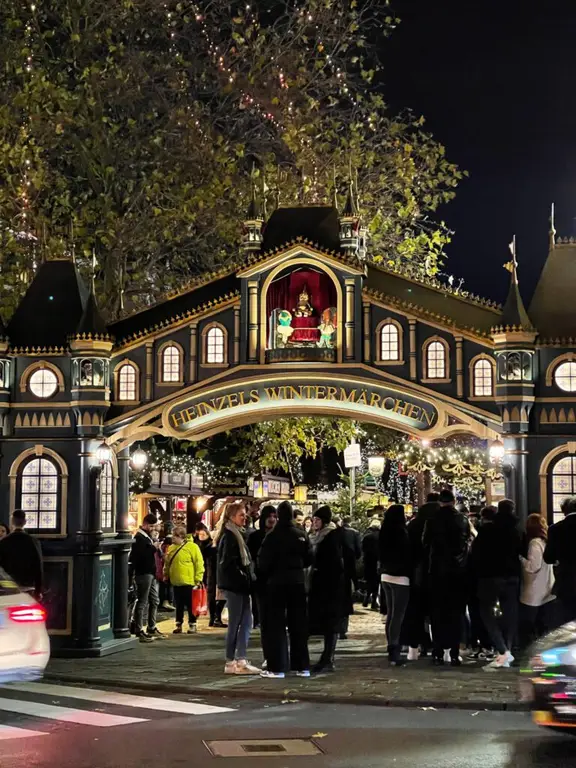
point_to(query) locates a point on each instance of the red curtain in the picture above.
(283, 293)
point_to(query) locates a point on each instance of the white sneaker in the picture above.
(264, 664)
(244, 667)
(230, 668)
(502, 661)
(272, 675)
(303, 673)
(413, 654)
(447, 657)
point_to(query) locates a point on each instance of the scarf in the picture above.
(244, 553)
(318, 537)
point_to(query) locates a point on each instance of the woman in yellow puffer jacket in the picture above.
(184, 567)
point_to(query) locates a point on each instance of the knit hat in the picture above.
(265, 513)
(324, 513)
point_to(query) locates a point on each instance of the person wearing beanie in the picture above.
(329, 599)
(284, 557)
(266, 523)
(370, 555)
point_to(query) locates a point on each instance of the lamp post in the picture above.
(103, 453)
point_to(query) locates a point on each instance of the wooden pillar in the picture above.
(367, 333)
(350, 320)
(236, 358)
(413, 367)
(193, 351)
(253, 324)
(149, 371)
(459, 367)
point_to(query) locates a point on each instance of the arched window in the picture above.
(389, 342)
(127, 383)
(436, 360)
(39, 494)
(565, 376)
(563, 484)
(215, 345)
(482, 378)
(106, 497)
(171, 364)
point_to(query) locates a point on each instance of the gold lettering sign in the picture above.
(417, 414)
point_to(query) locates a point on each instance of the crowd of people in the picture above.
(447, 580)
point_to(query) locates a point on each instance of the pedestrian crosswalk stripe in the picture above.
(9, 732)
(120, 699)
(66, 714)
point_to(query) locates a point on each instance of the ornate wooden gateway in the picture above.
(302, 324)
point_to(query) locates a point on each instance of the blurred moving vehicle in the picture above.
(549, 680)
(24, 641)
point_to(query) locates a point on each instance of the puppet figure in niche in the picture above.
(283, 330)
(327, 327)
(303, 308)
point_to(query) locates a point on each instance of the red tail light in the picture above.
(26, 613)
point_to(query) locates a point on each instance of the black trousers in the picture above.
(414, 630)
(503, 632)
(183, 601)
(372, 586)
(286, 619)
(215, 608)
(447, 603)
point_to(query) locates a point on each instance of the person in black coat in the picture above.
(330, 590)
(446, 538)
(143, 568)
(495, 562)
(370, 556)
(561, 552)
(396, 569)
(284, 557)
(21, 556)
(266, 522)
(204, 540)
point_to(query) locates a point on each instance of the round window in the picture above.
(43, 383)
(565, 377)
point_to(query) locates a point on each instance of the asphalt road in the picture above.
(86, 728)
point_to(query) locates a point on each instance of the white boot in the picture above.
(413, 654)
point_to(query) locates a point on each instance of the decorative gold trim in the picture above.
(25, 378)
(116, 378)
(264, 293)
(400, 330)
(350, 289)
(412, 353)
(237, 318)
(91, 345)
(204, 345)
(471, 366)
(426, 379)
(513, 336)
(160, 364)
(69, 593)
(193, 350)
(459, 366)
(253, 320)
(367, 332)
(568, 357)
(296, 248)
(38, 451)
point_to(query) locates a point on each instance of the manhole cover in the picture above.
(263, 748)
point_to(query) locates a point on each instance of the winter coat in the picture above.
(210, 555)
(143, 555)
(446, 536)
(496, 551)
(184, 564)
(284, 556)
(232, 576)
(330, 598)
(420, 553)
(370, 551)
(561, 550)
(21, 558)
(395, 555)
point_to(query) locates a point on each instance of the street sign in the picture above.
(352, 456)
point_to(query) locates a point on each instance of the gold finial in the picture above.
(512, 265)
(93, 272)
(552, 231)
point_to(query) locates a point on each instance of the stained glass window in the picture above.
(215, 351)
(483, 378)
(389, 342)
(563, 484)
(43, 382)
(565, 377)
(436, 360)
(39, 495)
(107, 497)
(127, 381)
(171, 363)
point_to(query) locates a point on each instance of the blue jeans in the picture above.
(239, 625)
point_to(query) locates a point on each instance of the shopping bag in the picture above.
(199, 601)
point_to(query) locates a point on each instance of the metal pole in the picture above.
(352, 489)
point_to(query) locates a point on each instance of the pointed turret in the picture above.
(514, 314)
(252, 234)
(353, 235)
(91, 323)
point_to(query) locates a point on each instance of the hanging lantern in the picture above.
(139, 459)
(300, 494)
(103, 453)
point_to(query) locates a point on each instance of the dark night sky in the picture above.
(496, 82)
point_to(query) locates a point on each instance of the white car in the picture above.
(24, 641)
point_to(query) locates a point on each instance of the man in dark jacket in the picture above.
(143, 566)
(21, 556)
(353, 543)
(284, 557)
(446, 537)
(266, 522)
(370, 555)
(561, 551)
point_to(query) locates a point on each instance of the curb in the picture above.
(374, 701)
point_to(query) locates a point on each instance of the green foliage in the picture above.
(361, 505)
(136, 123)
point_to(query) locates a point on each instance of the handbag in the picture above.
(200, 601)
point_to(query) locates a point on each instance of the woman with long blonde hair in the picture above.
(235, 577)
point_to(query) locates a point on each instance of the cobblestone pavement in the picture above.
(195, 663)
